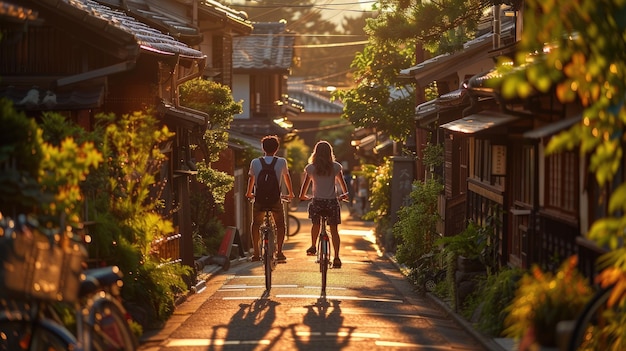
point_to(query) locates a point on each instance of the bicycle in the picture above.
(294, 225)
(323, 253)
(268, 247)
(323, 248)
(29, 320)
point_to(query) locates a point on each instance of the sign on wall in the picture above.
(498, 160)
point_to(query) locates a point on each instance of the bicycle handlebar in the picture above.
(341, 197)
(283, 198)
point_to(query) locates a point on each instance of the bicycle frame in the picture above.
(26, 328)
(323, 253)
(268, 248)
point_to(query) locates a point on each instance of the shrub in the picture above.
(496, 293)
(415, 228)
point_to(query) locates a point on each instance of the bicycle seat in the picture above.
(97, 278)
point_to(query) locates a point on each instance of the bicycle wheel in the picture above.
(324, 262)
(590, 323)
(23, 335)
(267, 258)
(107, 327)
(294, 225)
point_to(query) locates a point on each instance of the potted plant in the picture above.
(467, 247)
(544, 299)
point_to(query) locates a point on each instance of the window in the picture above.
(528, 175)
(482, 156)
(562, 181)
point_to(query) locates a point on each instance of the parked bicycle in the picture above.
(42, 271)
(293, 226)
(593, 322)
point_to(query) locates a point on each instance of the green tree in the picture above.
(441, 26)
(380, 99)
(217, 102)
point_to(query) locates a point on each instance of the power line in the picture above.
(317, 79)
(312, 6)
(312, 46)
(307, 35)
(317, 129)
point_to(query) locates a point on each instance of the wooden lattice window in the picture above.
(562, 181)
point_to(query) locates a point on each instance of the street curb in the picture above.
(486, 342)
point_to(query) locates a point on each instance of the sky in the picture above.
(332, 10)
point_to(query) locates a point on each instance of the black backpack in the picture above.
(267, 192)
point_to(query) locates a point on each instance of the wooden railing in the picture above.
(167, 248)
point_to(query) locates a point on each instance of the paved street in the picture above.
(369, 305)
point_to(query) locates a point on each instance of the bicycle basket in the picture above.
(36, 267)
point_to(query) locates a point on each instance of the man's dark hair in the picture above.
(270, 144)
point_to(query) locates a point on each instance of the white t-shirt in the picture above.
(280, 168)
(323, 187)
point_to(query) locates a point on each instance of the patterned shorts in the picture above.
(329, 207)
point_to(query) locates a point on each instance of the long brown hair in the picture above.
(323, 158)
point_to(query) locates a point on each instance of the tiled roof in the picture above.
(316, 103)
(269, 46)
(15, 12)
(61, 99)
(180, 25)
(237, 18)
(147, 37)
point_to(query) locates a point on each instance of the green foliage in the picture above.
(20, 160)
(495, 294)
(248, 154)
(400, 27)
(218, 183)
(542, 299)
(584, 64)
(470, 243)
(64, 168)
(433, 23)
(39, 176)
(217, 102)
(208, 231)
(126, 209)
(57, 128)
(379, 179)
(297, 154)
(380, 100)
(416, 225)
(433, 155)
(154, 286)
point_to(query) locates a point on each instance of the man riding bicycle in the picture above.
(270, 146)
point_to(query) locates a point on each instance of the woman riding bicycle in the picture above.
(324, 172)
(270, 145)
